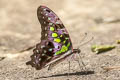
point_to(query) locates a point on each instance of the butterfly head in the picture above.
(76, 50)
(79, 50)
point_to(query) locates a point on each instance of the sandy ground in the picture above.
(19, 29)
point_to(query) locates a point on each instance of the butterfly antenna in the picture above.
(86, 42)
(69, 69)
(83, 38)
(81, 62)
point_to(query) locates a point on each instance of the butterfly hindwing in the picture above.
(55, 41)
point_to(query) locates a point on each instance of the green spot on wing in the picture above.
(58, 52)
(54, 34)
(66, 38)
(52, 29)
(68, 44)
(57, 40)
(64, 41)
(63, 49)
(61, 35)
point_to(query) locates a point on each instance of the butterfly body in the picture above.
(55, 43)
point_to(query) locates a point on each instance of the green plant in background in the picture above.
(101, 48)
(118, 41)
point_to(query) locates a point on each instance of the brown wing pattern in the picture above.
(55, 40)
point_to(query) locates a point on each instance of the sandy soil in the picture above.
(19, 29)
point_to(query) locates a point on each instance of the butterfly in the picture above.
(55, 45)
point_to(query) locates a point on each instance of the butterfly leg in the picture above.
(69, 69)
(81, 62)
(79, 58)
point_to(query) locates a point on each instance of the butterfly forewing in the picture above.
(55, 41)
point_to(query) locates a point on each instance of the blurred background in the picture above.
(20, 28)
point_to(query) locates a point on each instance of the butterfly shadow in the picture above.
(70, 74)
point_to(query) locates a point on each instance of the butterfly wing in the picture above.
(55, 42)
